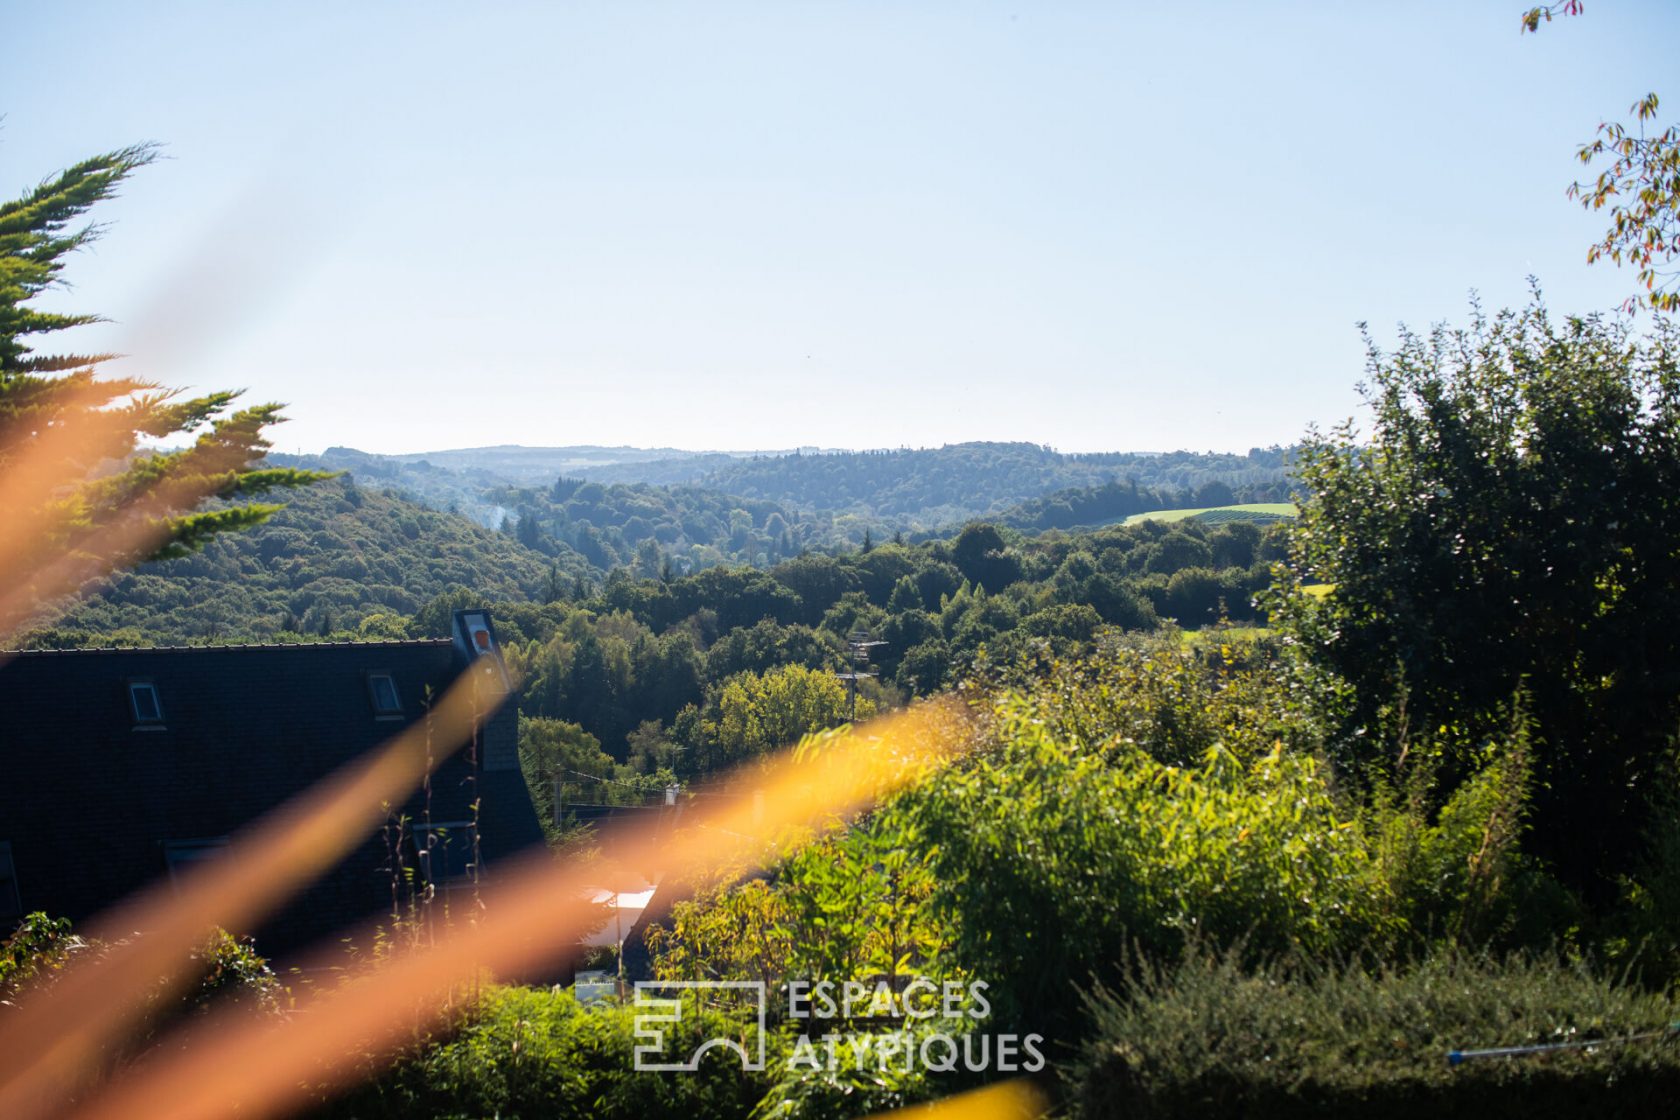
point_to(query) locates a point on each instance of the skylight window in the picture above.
(382, 690)
(143, 701)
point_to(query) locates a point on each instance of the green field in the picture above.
(1214, 515)
(1223, 635)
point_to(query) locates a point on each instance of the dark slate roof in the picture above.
(91, 797)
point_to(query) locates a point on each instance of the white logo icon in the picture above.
(656, 1011)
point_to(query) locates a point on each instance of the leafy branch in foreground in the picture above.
(1531, 19)
(1642, 189)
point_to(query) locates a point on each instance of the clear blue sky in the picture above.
(717, 225)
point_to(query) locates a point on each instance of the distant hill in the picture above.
(608, 524)
(644, 527)
(338, 555)
(935, 487)
(827, 499)
(460, 480)
(687, 469)
(449, 489)
(529, 465)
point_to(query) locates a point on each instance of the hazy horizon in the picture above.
(805, 449)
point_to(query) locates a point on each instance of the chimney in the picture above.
(477, 649)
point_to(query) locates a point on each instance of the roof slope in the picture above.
(92, 796)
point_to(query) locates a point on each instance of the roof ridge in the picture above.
(380, 643)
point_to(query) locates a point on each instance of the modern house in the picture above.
(121, 767)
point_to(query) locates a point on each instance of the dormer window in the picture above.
(382, 691)
(144, 703)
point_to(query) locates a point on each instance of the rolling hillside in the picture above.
(337, 558)
(940, 486)
(704, 508)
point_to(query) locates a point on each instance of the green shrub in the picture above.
(1169, 702)
(1050, 861)
(1646, 930)
(227, 968)
(1463, 876)
(852, 905)
(34, 952)
(223, 968)
(540, 1055)
(1208, 1037)
(857, 1084)
(1142, 798)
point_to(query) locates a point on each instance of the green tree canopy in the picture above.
(1512, 525)
(759, 714)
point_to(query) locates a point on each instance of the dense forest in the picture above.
(830, 499)
(654, 528)
(1092, 506)
(340, 559)
(1026, 468)
(639, 663)
(955, 483)
(347, 560)
(640, 652)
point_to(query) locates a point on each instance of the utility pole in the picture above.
(858, 645)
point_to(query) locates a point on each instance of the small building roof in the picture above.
(95, 794)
